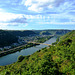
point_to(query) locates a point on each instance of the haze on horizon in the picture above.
(37, 14)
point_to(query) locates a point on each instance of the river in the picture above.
(11, 58)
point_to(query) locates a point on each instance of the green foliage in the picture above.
(20, 58)
(7, 73)
(65, 42)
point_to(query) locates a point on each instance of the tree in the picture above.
(20, 58)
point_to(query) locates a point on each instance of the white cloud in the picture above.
(40, 5)
(35, 8)
(10, 19)
(51, 19)
(1, 9)
(9, 16)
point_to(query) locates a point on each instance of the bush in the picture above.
(20, 58)
(7, 73)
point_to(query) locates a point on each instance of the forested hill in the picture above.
(6, 38)
(53, 60)
(22, 33)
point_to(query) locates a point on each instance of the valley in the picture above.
(55, 59)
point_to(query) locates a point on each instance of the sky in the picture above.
(37, 14)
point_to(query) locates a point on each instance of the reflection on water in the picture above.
(10, 58)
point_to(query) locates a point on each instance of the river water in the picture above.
(11, 58)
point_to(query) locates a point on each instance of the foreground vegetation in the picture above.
(53, 60)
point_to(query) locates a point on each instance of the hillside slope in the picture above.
(70, 35)
(53, 60)
(6, 38)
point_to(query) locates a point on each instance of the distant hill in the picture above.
(52, 32)
(45, 33)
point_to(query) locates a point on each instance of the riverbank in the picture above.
(19, 48)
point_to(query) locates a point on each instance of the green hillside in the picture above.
(53, 60)
(70, 35)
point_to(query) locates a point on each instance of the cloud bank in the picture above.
(41, 5)
(10, 19)
(34, 13)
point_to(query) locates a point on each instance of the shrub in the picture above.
(7, 73)
(20, 58)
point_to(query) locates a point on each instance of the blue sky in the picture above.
(37, 14)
